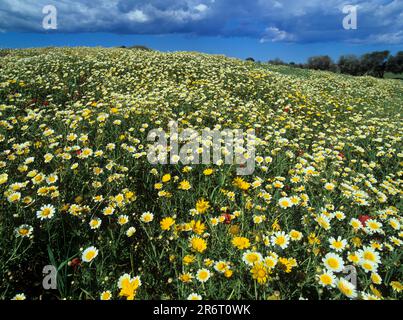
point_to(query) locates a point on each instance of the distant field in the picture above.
(341, 85)
(80, 192)
(305, 72)
(389, 75)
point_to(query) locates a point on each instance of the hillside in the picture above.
(75, 174)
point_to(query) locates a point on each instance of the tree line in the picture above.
(373, 64)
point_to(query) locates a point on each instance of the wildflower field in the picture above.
(319, 217)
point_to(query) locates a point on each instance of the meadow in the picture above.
(78, 192)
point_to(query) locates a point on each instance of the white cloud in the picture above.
(201, 7)
(385, 38)
(274, 34)
(137, 16)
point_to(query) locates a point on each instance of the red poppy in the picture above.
(363, 219)
(78, 152)
(76, 262)
(227, 217)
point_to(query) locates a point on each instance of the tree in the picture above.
(395, 63)
(350, 64)
(277, 61)
(140, 47)
(374, 63)
(320, 63)
(250, 59)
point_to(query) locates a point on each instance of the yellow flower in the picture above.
(95, 223)
(208, 172)
(346, 288)
(14, 197)
(295, 235)
(188, 259)
(241, 243)
(285, 203)
(234, 229)
(396, 286)
(203, 275)
(228, 273)
(352, 257)
(24, 231)
(166, 178)
(260, 273)
(287, 264)
(194, 296)
(48, 157)
(3, 178)
(375, 291)
(89, 254)
(208, 262)
(130, 196)
(356, 241)
(251, 257)
(128, 286)
(119, 198)
(184, 185)
(166, 223)
(221, 266)
(147, 217)
(313, 239)
(106, 295)
(329, 186)
(108, 211)
(123, 219)
(198, 244)
(202, 206)
(186, 277)
(327, 279)
(198, 227)
(241, 184)
(275, 226)
(19, 296)
(46, 212)
(376, 278)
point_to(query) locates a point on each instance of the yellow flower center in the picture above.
(280, 240)
(369, 256)
(326, 279)
(333, 263)
(338, 244)
(90, 255)
(24, 231)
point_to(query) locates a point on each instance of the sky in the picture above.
(291, 30)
